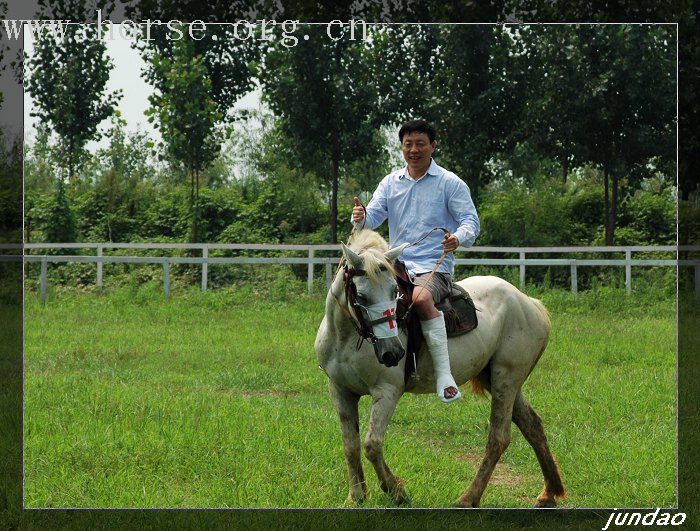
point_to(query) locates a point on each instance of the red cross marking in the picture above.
(388, 313)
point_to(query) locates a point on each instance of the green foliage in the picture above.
(288, 204)
(603, 95)
(652, 217)
(280, 197)
(226, 59)
(519, 216)
(468, 80)
(504, 126)
(575, 95)
(552, 213)
(166, 215)
(11, 159)
(53, 216)
(218, 209)
(67, 79)
(40, 162)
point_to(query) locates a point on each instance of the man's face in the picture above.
(417, 149)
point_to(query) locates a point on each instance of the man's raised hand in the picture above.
(358, 211)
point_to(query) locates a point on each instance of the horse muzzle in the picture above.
(389, 355)
(391, 359)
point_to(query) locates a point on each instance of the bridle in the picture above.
(363, 326)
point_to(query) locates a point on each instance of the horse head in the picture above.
(371, 293)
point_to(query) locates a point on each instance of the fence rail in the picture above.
(311, 260)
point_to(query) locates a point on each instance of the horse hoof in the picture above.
(546, 503)
(351, 500)
(465, 503)
(398, 491)
(401, 497)
(356, 497)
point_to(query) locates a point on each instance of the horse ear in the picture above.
(394, 253)
(352, 257)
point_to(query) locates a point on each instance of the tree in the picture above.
(628, 94)
(479, 88)
(186, 114)
(326, 98)
(602, 95)
(68, 77)
(550, 121)
(227, 51)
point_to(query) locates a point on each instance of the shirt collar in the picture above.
(433, 169)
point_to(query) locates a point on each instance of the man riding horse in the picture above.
(416, 198)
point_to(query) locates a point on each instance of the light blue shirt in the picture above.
(413, 207)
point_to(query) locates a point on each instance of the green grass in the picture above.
(215, 400)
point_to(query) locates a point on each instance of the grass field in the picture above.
(215, 400)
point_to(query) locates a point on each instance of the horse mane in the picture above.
(371, 246)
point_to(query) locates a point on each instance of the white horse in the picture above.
(497, 356)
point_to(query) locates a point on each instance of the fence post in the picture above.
(329, 275)
(310, 274)
(99, 268)
(628, 271)
(166, 278)
(522, 270)
(574, 278)
(44, 264)
(205, 267)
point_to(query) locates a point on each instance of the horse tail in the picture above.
(482, 381)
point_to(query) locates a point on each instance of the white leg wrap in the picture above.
(436, 338)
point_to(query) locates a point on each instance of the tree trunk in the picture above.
(196, 207)
(611, 194)
(335, 176)
(613, 208)
(70, 162)
(193, 213)
(608, 233)
(334, 201)
(565, 168)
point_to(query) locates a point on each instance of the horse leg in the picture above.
(383, 405)
(346, 403)
(502, 398)
(530, 424)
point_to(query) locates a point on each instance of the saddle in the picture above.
(457, 307)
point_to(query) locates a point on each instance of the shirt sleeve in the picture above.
(376, 211)
(462, 209)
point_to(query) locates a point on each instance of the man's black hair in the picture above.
(417, 126)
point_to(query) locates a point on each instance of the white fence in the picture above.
(311, 260)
